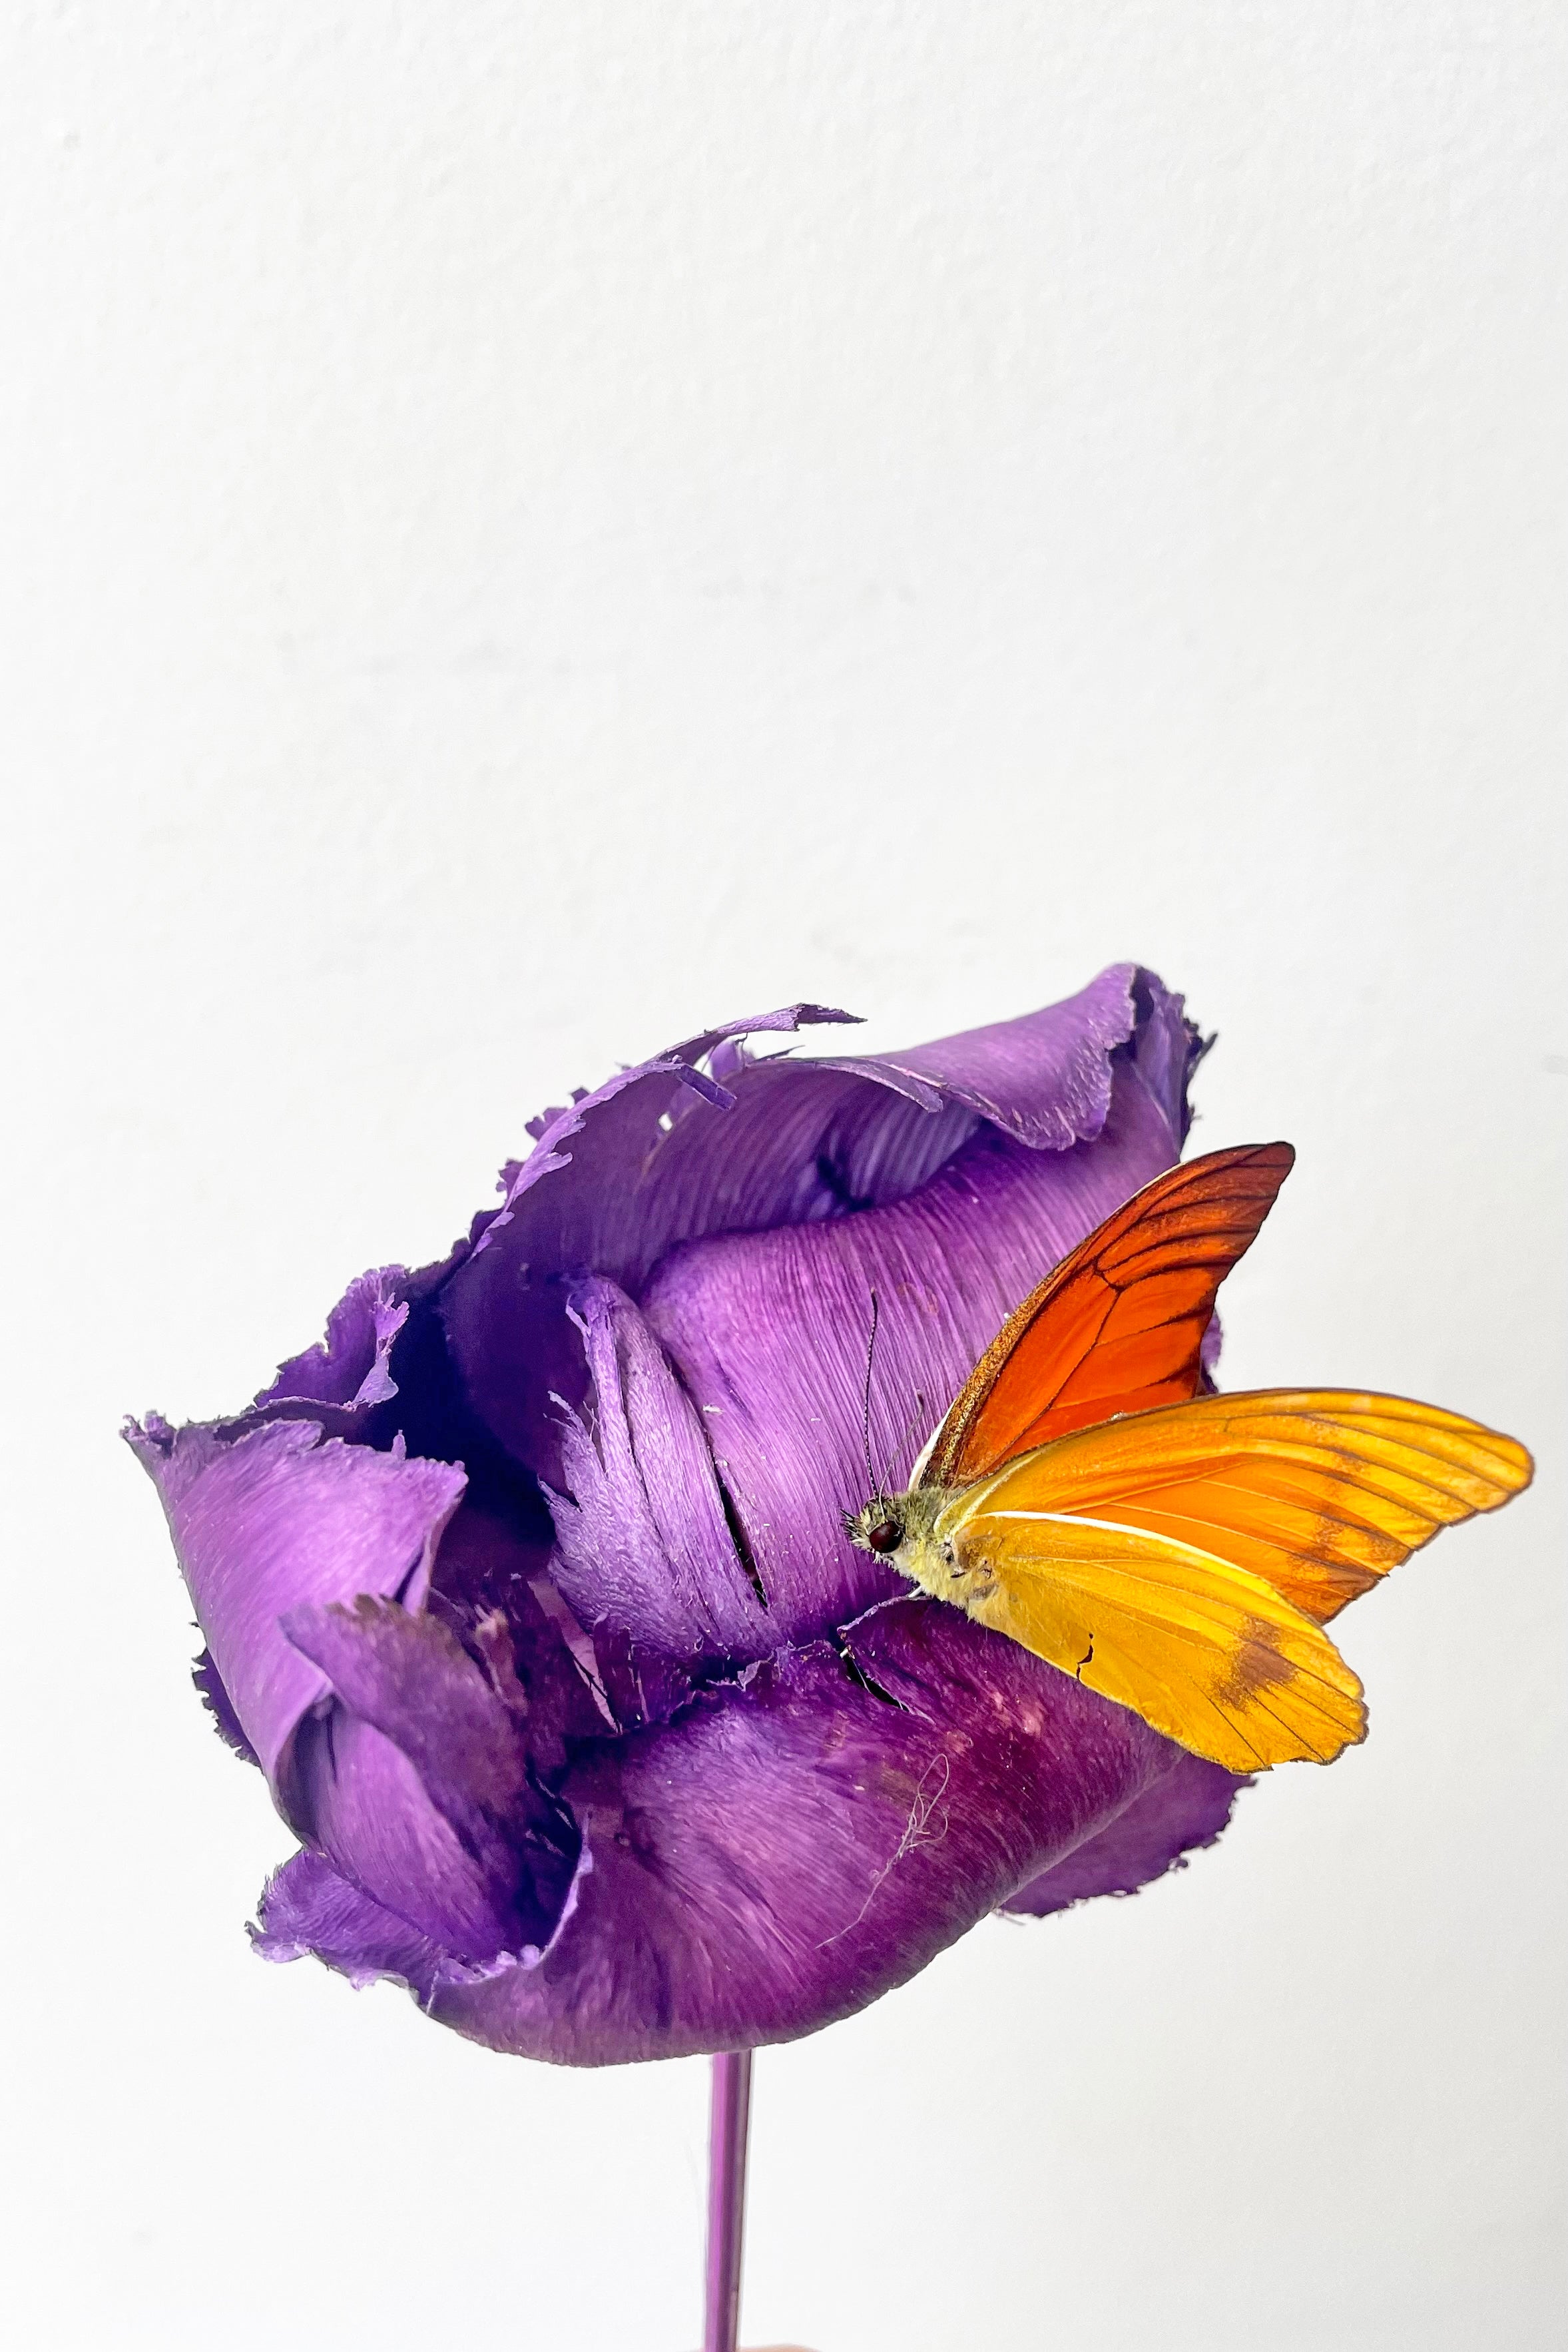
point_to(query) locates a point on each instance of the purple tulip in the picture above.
(529, 1593)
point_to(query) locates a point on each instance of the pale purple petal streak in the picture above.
(645, 1546)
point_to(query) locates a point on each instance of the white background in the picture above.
(528, 530)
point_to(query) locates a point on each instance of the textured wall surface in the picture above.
(528, 529)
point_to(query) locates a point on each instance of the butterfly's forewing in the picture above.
(1320, 1492)
(1207, 1654)
(1118, 1326)
(1181, 1560)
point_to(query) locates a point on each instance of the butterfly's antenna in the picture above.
(910, 1428)
(874, 1489)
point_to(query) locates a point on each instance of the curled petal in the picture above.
(415, 1783)
(1166, 1049)
(644, 1545)
(1045, 1079)
(349, 1368)
(357, 1797)
(220, 1706)
(413, 1681)
(592, 1194)
(800, 1841)
(277, 1518)
(310, 1907)
(490, 1585)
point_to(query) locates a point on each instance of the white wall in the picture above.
(531, 528)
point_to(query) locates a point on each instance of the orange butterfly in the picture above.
(1178, 1553)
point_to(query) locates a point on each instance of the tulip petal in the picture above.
(306, 1907)
(276, 1518)
(411, 1680)
(490, 1586)
(626, 1173)
(644, 1545)
(220, 1706)
(349, 1368)
(1166, 1049)
(1044, 1078)
(591, 1195)
(356, 1795)
(770, 1334)
(415, 1783)
(800, 1841)
(1184, 1809)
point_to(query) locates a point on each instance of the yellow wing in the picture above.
(1175, 1560)
(1209, 1654)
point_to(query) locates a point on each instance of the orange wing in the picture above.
(1318, 1491)
(1118, 1326)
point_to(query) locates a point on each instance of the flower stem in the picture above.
(730, 2114)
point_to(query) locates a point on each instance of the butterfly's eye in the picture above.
(886, 1535)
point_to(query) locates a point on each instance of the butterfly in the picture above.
(1178, 1553)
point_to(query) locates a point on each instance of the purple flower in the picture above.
(529, 1589)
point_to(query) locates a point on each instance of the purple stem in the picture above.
(730, 2114)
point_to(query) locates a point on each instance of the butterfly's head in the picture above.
(909, 1532)
(900, 1528)
(878, 1527)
